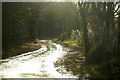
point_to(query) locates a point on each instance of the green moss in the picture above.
(78, 67)
(71, 43)
(87, 75)
(24, 46)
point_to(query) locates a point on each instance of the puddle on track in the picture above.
(36, 64)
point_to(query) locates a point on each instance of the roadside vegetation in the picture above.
(23, 48)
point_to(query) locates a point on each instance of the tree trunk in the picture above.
(85, 30)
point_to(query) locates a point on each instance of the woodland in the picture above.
(93, 27)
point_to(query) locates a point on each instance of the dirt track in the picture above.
(35, 64)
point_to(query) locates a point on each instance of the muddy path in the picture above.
(35, 64)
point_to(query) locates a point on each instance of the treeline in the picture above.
(101, 34)
(99, 31)
(23, 22)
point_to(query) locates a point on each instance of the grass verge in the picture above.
(26, 47)
(74, 60)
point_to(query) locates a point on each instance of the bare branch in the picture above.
(117, 9)
(74, 9)
(87, 6)
(116, 3)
